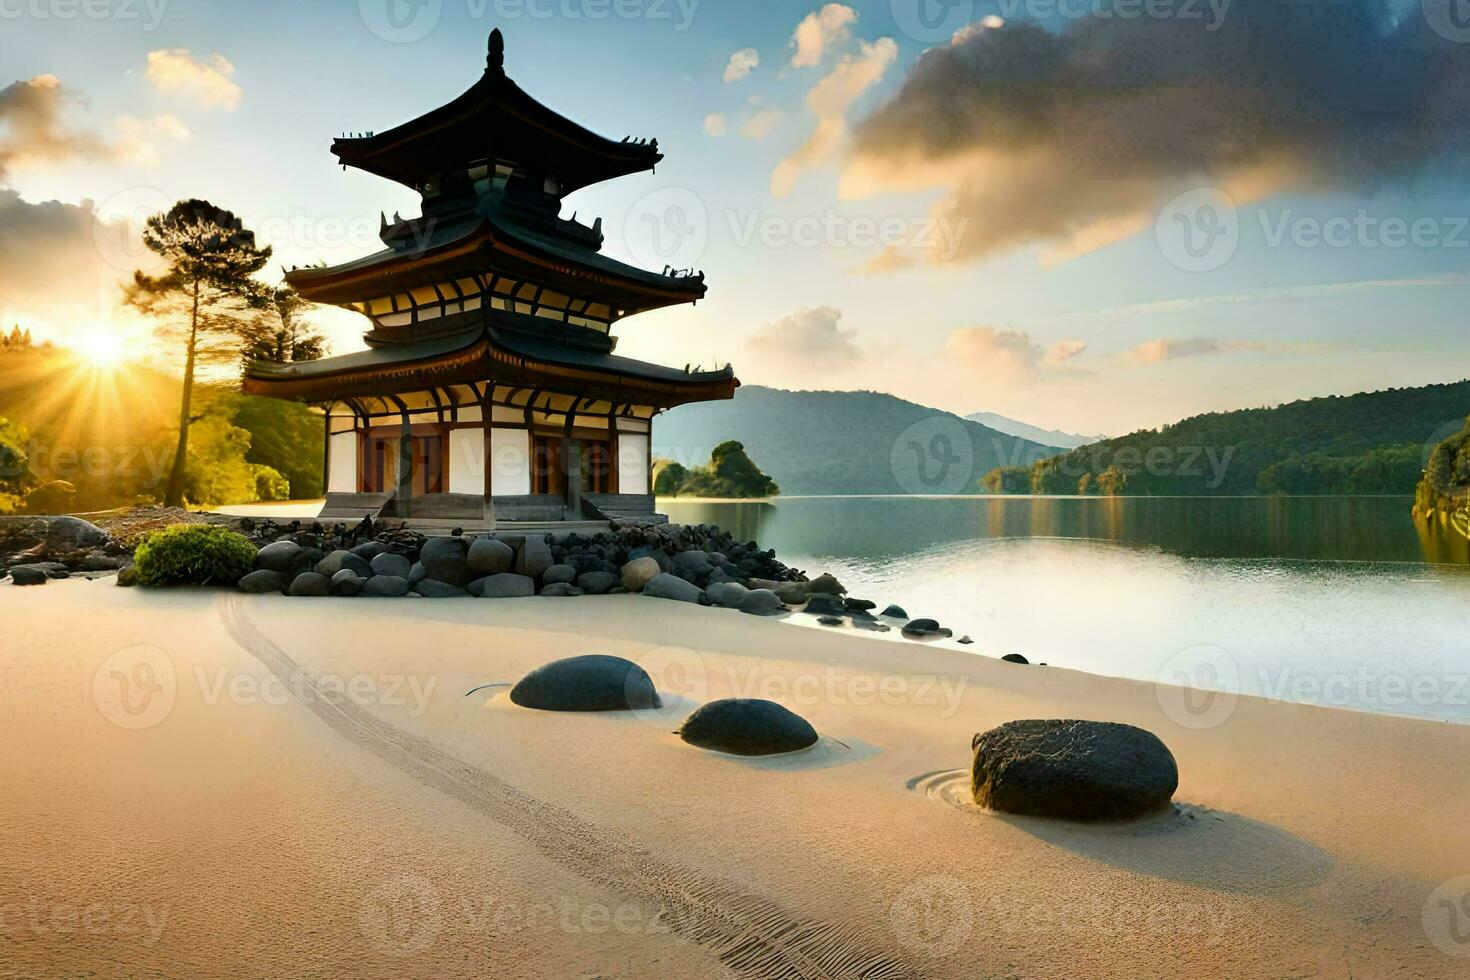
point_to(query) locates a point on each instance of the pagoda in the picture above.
(489, 390)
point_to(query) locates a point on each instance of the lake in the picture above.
(1340, 601)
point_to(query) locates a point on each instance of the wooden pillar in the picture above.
(571, 454)
(327, 456)
(404, 497)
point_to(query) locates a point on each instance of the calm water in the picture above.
(1336, 601)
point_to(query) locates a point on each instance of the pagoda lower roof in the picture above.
(496, 120)
(437, 249)
(488, 354)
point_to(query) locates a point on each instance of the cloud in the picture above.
(760, 124)
(715, 124)
(139, 139)
(819, 32)
(1011, 356)
(808, 338)
(208, 83)
(830, 101)
(1159, 351)
(32, 129)
(1074, 139)
(742, 63)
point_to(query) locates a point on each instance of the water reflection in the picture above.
(1304, 528)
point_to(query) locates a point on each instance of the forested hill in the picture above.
(844, 442)
(1367, 443)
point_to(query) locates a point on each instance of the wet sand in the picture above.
(204, 784)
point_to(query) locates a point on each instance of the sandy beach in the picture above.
(206, 784)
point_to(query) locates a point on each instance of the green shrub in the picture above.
(193, 554)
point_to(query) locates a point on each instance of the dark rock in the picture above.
(29, 575)
(668, 586)
(50, 569)
(506, 585)
(560, 575)
(1015, 658)
(895, 612)
(489, 556)
(347, 583)
(926, 629)
(444, 560)
(390, 564)
(283, 556)
(416, 573)
(311, 584)
(727, 594)
(263, 582)
(860, 605)
(45, 536)
(434, 589)
(339, 560)
(591, 683)
(825, 605)
(825, 585)
(831, 620)
(791, 593)
(385, 587)
(742, 726)
(762, 602)
(965, 641)
(1082, 770)
(561, 590)
(597, 583)
(533, 558)
(369, 550)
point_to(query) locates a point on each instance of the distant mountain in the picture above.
(845, 442)
(1370, 443)
(1047, 437)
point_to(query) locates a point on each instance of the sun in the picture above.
(102, 349)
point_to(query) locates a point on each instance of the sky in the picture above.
(1090, 215)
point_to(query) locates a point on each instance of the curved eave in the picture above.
(635, 290)
(375, 374)
(494, 105)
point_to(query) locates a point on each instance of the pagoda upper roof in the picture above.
(496, 121)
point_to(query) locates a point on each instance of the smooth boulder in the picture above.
(444, 561)
(561, 590)
(431, 588)
(489, 556)
(592, 683)
(282, 556)
(339, 560)
(727, 594)
(926, 629)
(1081, 770)
(560, 575)
(597, 583)
(1012, 658)
(29, 575)
(534, 558)
(761, 602)
(743, 726)
(263, 582)
(311, 584)
(639, 572)
(669, 586)
(385, 587)
(347, 583)
(387, 563)
(506, 585)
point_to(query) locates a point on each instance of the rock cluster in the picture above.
(34, 550)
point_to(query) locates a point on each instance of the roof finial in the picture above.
(496, 61)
